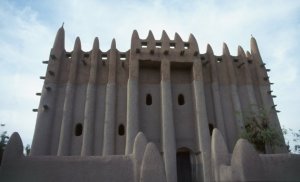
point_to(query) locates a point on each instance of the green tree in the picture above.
(258, 130)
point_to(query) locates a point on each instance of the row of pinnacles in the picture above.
(125, 116)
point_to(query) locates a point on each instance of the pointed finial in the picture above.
(225, 49)
(209, 50)
(63, 25)
(59, 43)
(150, 35)
(135, 41)
(77, 45)
(113, 44)
(254, 47)
(193, 43)
(135, 35)
(241, 51)
(248, 54)
(177, 37)
(164, 36)
(179, 42)
(96, 44)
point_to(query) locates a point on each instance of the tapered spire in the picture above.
(209, 50)
(248, 55)
(179, 43)
(151, 41)
(193, 45)
(164, 36)
(150, 36)
(59, 43)
(255, 51)
(77, 45)
(113, 44)
(254, 47)
(241, 52)
(96, 44)
(135, 40)
(225, 49)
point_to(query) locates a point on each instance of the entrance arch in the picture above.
(185, 171)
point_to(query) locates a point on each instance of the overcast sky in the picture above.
(28, 29)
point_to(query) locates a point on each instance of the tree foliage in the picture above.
(258, 130)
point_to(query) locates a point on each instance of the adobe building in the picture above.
(160, 112)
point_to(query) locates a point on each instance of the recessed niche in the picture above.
(180, 99)
(78, 129)
(148, 100)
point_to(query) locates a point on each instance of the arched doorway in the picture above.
(184, 165)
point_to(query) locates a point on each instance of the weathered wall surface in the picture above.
(245, 164)
(281, 167)
(145, 164)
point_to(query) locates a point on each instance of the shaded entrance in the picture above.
(184, 166)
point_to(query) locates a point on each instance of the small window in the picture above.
(158, 44)
(172, 45)
(104, 56)
(186, 45)
(144, 44)
(121, 130)
(180, 99)
(219, 59)
(211, 128)
(78, 129)
(123, 57)
(148, 100)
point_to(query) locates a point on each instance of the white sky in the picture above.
(28, 28)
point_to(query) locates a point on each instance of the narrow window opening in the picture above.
(211, 128)
(249, 61)
(78, 129)
(148, 100)
(123, 57)
(68, 55)
(121, 130)
(236, 60)
(180, 99)
(144, 44)
(186, 45)
(86, 55)
(104, 56)
(219, 60)
(158, 44)
(172, 45)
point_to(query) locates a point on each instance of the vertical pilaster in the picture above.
(233, 88)
(202, 120)
(110, 104)
(248, 81)
(168, 129)
(216, 91)
(67, 121)
(89, 112)
(132, 94)
(41, 144)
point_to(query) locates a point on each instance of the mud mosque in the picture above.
(159, 112)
